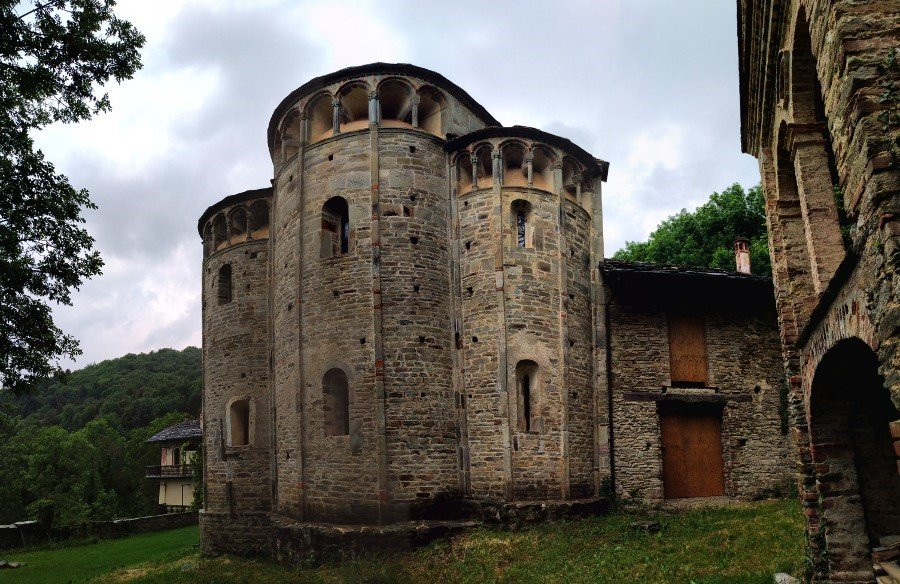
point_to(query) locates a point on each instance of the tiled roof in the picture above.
(641, 267)
(186, 430)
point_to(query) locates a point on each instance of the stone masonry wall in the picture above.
(235, 356)
(339, 472)
(743, 356)
(417, 328)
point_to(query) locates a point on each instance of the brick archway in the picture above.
(853, 455)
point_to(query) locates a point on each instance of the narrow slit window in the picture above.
(527, 394)
(521, 212)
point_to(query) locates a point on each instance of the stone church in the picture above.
(820, 86)
(415, 321)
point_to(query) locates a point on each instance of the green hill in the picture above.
(130, 392)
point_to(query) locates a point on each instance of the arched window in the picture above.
(207, 240)
(431, 106)
(290, 135)
(319, 116)
(239, 423)
(220, 232)
(224, 284)
(541, 175)
(484, 168)
(521, 223)
(464, 172)
(336, 403)
(571, 179)
(354, 112)
(515, 170)
(335, 227)
(527, 393)
(259, 219)
(395, 101)
(237, 221)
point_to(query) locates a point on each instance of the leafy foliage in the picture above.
(52, 59)
(77, 451)
(705, 236)
(129, 391)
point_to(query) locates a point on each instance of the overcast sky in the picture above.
(651, 86)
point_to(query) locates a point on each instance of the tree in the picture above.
(705, 237)
(53, 57)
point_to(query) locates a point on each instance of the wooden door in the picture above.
(687, 350)
(692, 454)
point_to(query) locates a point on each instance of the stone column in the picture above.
(529, 166)
(415, 110)
(374, 109)
(336, 116)
(820, 216)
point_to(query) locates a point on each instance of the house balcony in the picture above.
(169, 471)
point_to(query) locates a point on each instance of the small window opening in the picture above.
(526, 402)
(336, 403)
(414, 240)
(239, 422)
(335, 227)
(421, 339)
(224, 284)
(331, 157)
(474, 339)
(412, 149)
(415, 287)
(468, 245)
(176, 456)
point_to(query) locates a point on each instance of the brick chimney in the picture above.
(742, 255)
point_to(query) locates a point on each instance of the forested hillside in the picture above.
(129, 392)
(75, 450)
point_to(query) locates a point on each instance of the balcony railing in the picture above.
(169, 471)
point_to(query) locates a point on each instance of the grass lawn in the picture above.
(81, 562)
(743, 543)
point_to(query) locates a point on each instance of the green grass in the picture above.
(743, 543)
(79, 563)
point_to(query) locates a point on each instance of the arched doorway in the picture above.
(852, 449)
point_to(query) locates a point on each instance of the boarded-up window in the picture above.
(223, 293)
(336, 403)
(687, 350)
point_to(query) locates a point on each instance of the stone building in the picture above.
(819, 109)
(412, 322)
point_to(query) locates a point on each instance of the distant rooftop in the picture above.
(186, 430)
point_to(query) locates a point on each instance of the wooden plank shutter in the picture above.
(687, 349)
(692, 455)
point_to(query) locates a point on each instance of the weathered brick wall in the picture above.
(822, 78)
(417, 328)
(339, 472)
(743, 355)
(533, 326)
(237, 479)
(580, 366)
